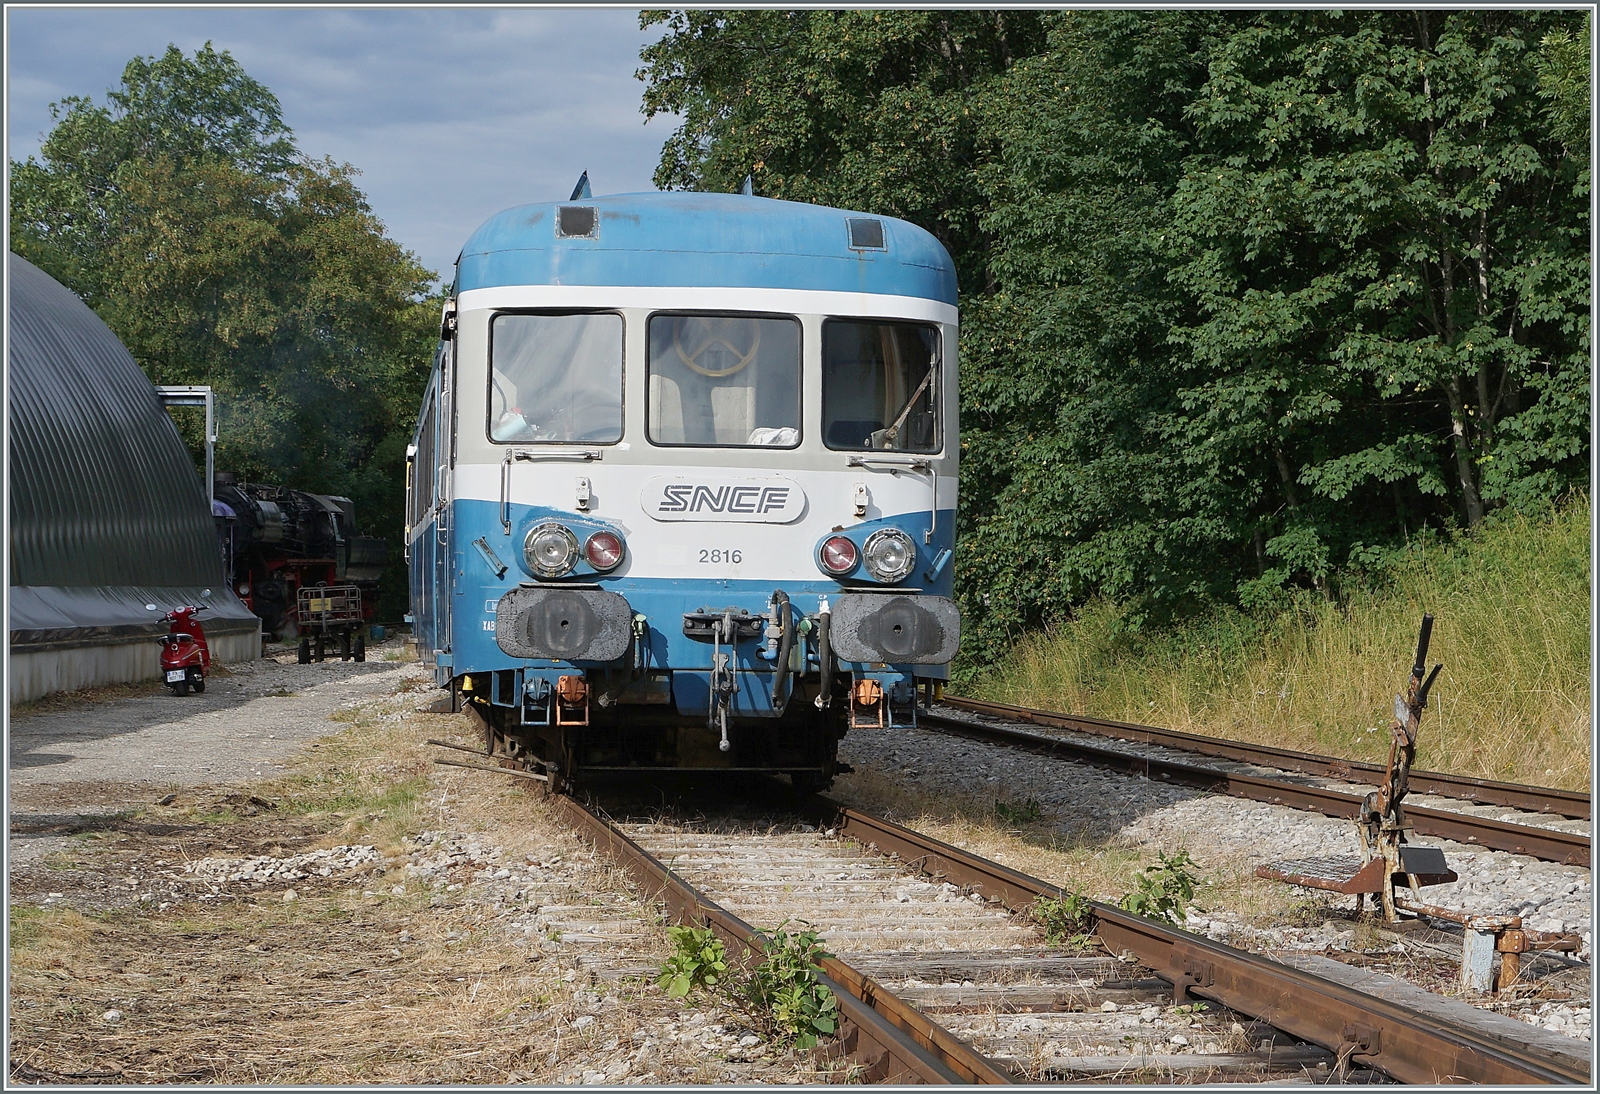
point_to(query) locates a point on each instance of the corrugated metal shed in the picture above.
(107, 511)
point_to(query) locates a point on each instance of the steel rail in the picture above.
(1549, 844)
(1385, 1036)
(1536, 799)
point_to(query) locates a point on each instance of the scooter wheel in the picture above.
(180, 689)
(303, 654)
(199, 683)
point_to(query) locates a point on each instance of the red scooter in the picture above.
(185, 657)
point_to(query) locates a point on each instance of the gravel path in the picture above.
(108, 756)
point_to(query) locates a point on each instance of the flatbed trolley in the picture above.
(323, 612)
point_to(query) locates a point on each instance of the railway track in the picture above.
(1542, 830)
(938, 983)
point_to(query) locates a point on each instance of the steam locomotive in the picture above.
(276, 541)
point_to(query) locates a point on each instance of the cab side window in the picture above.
(880, 385)
(555, 379)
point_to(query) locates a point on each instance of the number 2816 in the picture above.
(717, 555)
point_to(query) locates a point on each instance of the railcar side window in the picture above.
(879, 385)
(555, 379)
(726, 380)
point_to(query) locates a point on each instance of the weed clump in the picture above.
(785, 992)
(1023, 812)
(1165, 889)
(698, 960)
(782, 994)
(1067, 921)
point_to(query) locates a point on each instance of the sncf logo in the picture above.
(766, 500)
(683, 498)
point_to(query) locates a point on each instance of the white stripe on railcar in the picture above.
(731, 298)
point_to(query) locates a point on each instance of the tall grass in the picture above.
(1511, 608)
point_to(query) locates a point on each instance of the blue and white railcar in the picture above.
(683, 487)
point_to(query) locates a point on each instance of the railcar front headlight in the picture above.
(889, 554)
(603, 551)
(838, 556)
(551, 550)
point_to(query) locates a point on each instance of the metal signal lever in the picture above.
(1382, 823)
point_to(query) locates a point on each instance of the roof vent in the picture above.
(866, 234)
(576, 222)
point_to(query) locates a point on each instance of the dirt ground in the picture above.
(273, 882)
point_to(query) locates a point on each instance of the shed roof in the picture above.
(106, 508)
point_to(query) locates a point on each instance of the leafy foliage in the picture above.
(863, 109)
(1246, 295)
(698, 960)
(784, 993)
(183, 213)
(1165, 889)
(1067, 921)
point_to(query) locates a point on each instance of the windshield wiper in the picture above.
(892, 435)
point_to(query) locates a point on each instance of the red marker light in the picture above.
(839, 555)
(604, 551)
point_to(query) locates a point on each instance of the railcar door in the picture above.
(444, 450)
(421, 534)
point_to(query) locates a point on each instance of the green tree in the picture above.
(1070, 483)
(1389, 249)
(183, 213)
(870, 110)
(1248, 298)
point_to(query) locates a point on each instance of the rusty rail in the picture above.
(1536, 799)
(1549, 844)
(1379, 1034)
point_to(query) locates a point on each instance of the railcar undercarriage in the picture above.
(627, 739)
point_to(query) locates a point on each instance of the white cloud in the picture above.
(451, 114)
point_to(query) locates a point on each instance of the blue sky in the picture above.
(451, 114)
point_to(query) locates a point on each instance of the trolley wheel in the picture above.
(344, 645)
(199, 684)
(303, 654)
(361, 648)
(320, 653)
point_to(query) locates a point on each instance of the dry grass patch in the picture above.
(348, 982)
(1512, 629)
(314, 992)
(58, 701)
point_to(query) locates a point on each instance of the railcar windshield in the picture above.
(555, 379)
(879, 385)
(724, 380)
